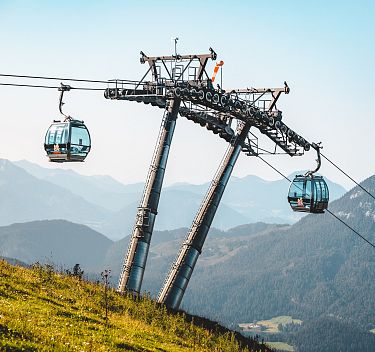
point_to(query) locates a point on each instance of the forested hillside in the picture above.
(314, 269)
(330, 334)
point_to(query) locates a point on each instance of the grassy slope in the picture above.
(44, 311)
(273, 324)
(281, 346)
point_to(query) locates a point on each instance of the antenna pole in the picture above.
(175, 46)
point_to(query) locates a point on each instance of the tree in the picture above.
(76, 272)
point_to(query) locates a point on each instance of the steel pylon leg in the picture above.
(178, 278)
(135, 260)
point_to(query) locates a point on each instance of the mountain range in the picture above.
(26, 198)
(31, 192)
(316, 270)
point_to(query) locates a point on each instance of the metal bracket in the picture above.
(142, 218)
(275, 93)
(63, 88)
(317, 147)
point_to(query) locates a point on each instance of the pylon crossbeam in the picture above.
(257, 106)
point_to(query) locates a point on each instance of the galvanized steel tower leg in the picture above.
(136, 257)
(178, 278)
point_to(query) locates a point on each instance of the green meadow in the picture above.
(41, 310)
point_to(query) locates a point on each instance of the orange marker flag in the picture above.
(216, 69)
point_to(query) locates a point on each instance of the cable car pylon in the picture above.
(135, 260)
(178, 278)
(158, 92)
(183, 78)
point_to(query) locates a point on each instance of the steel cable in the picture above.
(44, 86)
(337, 167)
(64, 79)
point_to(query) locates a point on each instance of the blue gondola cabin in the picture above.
(67, 141)
(308, 194)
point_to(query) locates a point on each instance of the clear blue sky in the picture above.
(325, 50)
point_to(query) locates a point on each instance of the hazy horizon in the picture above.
(54, 166)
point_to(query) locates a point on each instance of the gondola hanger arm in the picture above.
(63, 88)
(317, 147)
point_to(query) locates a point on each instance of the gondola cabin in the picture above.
(308, 194)
(67, 141)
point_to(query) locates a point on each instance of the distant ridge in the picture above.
(16, 262)
(109, 207)
(27, 198)
(55, 241)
